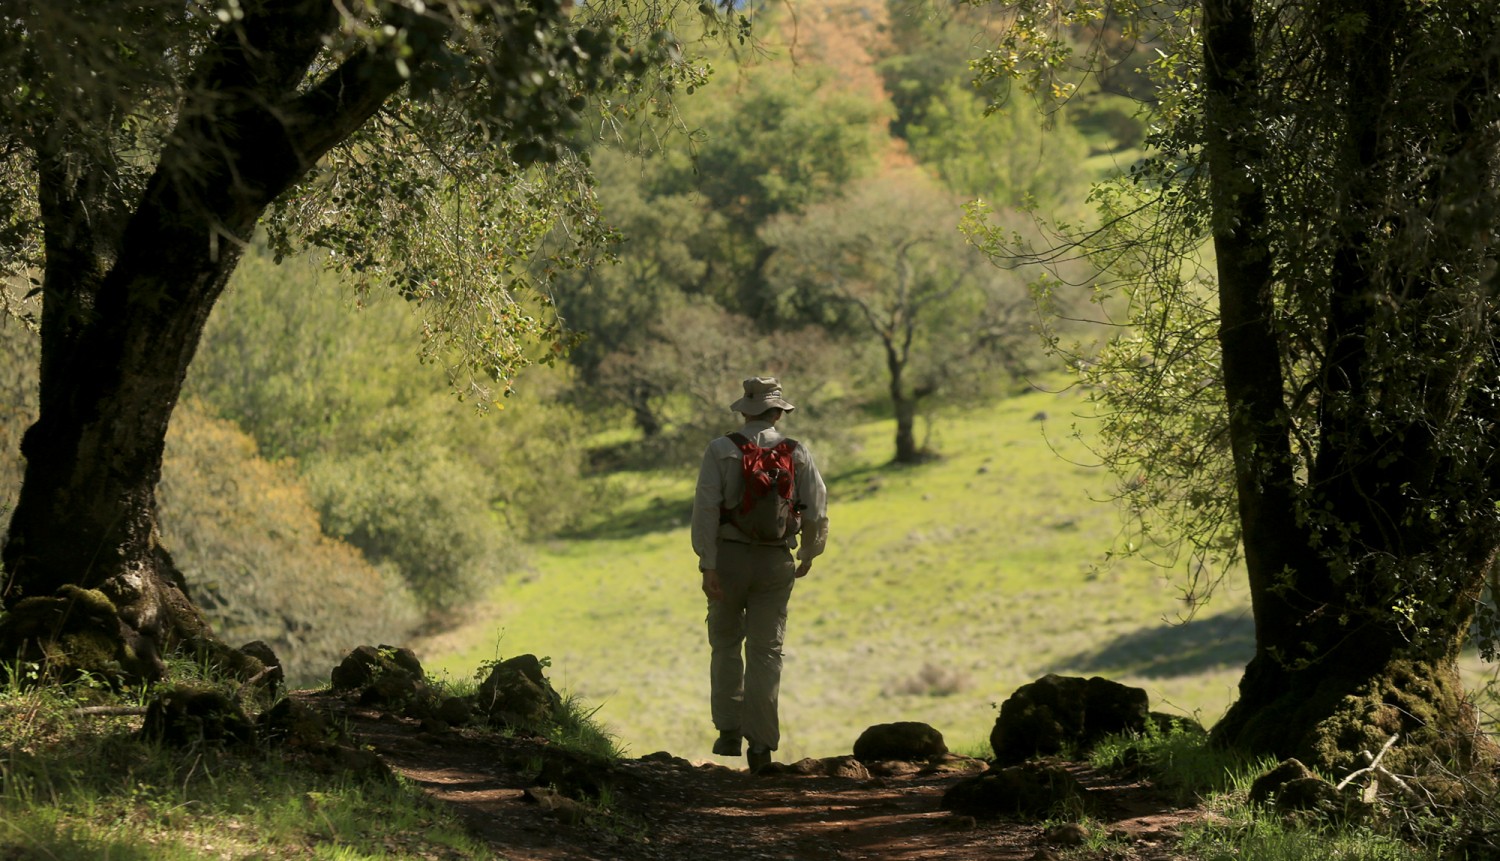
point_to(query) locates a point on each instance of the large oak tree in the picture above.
(1327, 395)
(422, 146)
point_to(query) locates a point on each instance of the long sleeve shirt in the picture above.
(721, 485)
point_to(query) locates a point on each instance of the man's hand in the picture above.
(803, 568)
(711, 586)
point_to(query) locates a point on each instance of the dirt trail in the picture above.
(667, 809)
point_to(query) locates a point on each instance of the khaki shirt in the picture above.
(721, 484)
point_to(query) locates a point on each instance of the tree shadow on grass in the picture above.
(660, 514)
(1225, 641)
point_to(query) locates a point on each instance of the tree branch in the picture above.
(349, 96)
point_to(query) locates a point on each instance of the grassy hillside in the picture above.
(945, 587)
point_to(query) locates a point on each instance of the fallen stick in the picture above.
(1373, 764)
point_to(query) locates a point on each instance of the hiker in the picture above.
(758, 491)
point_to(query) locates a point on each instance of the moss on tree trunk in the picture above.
(1326, 715)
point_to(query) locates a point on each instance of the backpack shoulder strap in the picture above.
(738, 439)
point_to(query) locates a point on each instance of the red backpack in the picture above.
(768, 512)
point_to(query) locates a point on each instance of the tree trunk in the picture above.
(906, 422)
(904, 405)
(646, 419)
(88, 586)
(1336, 669)
(115, 352)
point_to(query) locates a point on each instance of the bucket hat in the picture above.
(761, 394)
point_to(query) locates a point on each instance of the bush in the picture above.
(416, 509)
(396, 465)
(247, 538)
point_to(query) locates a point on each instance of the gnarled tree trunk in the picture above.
(1364, 571)
(127, 288)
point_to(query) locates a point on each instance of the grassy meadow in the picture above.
(945, 586)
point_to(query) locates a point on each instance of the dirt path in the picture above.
(667, 809)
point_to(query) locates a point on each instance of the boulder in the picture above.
(1032, 789)
(576, 776)
(906, 740)
(1296, 791)
(1057, 712)
(1266, 787)
(954, 764)
(893, 768)
(384, 676)
(454, 711)
(666, 758)
(187, 716)
(1167, 723)
(832, 766)
(517, 694)
(294, 725)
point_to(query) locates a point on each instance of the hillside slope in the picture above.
(945, 587)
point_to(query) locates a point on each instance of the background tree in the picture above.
(143, 146)
(764, 138)
(839, 92)
(887, 260)
(1342, 157)
(617, 304)
(1006, 155)
(694, 358)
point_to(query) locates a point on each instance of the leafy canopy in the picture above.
(443, 194)
(1370, 139)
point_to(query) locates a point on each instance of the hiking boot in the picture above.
(728, 743)
(760, 757)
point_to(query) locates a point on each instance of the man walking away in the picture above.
(759, 492)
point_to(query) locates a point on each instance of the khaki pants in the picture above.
(757, 581)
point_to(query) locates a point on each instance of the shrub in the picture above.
(246, 536)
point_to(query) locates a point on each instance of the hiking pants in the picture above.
(757, 581)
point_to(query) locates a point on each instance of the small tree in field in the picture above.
(143, 142)
(886, 262)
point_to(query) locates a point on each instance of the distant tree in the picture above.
(289, 359)
(763, 140)
(1009, 155)
(1344, 160)
(686, 373)
(887, 261)
(775, 141)
(141, 144)
(930, 47)
(615, 304)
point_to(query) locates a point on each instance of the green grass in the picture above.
(83, 787)
(945, 586)
(1219, 781)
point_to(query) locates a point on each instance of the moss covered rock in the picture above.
(1031, 790)
(517, 694)
(75, 633)
(185, 716)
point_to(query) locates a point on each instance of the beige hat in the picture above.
(761, 394)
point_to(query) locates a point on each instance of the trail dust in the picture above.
(665, 808)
